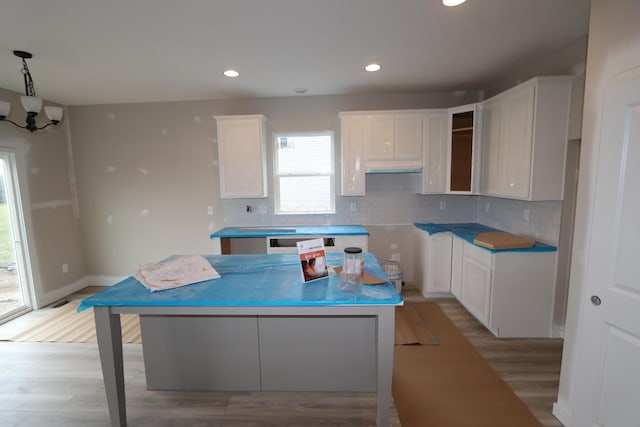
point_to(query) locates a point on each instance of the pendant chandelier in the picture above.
(30, 102)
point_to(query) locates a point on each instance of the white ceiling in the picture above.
(121, 51)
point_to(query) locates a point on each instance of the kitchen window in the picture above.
(304, 173)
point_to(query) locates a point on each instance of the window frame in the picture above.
(331, 174)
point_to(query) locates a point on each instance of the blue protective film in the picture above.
(469, 230)
(254, 280)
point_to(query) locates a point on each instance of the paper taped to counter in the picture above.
(184, 270)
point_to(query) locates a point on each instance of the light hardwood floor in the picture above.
(51, 384)
(531, 367)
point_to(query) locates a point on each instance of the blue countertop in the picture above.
(294, 230)
(254, 280)
(469, 230)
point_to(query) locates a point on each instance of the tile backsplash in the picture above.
(392, 199)
(536, 219)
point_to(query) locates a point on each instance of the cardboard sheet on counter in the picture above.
(503, 240)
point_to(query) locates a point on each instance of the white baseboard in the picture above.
(58, 294)
(52, 296)
(557, 332)
(103, 280)
(562, 413)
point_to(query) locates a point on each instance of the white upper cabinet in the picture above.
(394, 141)
(242, 156)
(524, 140)
(434, 152)
(353, 130)
(381, 131)
(378, 141)
(450, 161)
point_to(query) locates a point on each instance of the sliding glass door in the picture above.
(14, 293)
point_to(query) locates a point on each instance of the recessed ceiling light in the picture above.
(372, 67)
(231, 73)
(300, 90)
(453, 2)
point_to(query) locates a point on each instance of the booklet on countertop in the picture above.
(313, 259)
(184, 270)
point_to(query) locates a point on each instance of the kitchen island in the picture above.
(261, 292)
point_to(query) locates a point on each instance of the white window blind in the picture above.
(304, 177)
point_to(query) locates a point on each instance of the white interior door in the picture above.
(608, 348)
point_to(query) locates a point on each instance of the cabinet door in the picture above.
(420, 261)
(457, 253)
(434, 157)
(517, 141)
(381, 137)
(241, 156)
(408, 136)
(439, 268)
(476, 289)
(490, 181)
(354, 138)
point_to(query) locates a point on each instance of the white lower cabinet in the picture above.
(433, 264)
(511, 293)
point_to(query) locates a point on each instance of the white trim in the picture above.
(20, 147)
(47, 298)
(103, 280)
(16, 151)
(63, 292)
(557, 331)
(562, 412)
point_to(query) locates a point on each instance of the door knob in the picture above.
(595, 300)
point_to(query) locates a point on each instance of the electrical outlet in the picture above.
(262, 209)
(443, 205)
(209, 210)
(353, 207)
(65, 268)
(487, 207)
(525, 214)
(395, 257)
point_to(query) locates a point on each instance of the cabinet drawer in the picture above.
(482, 256)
